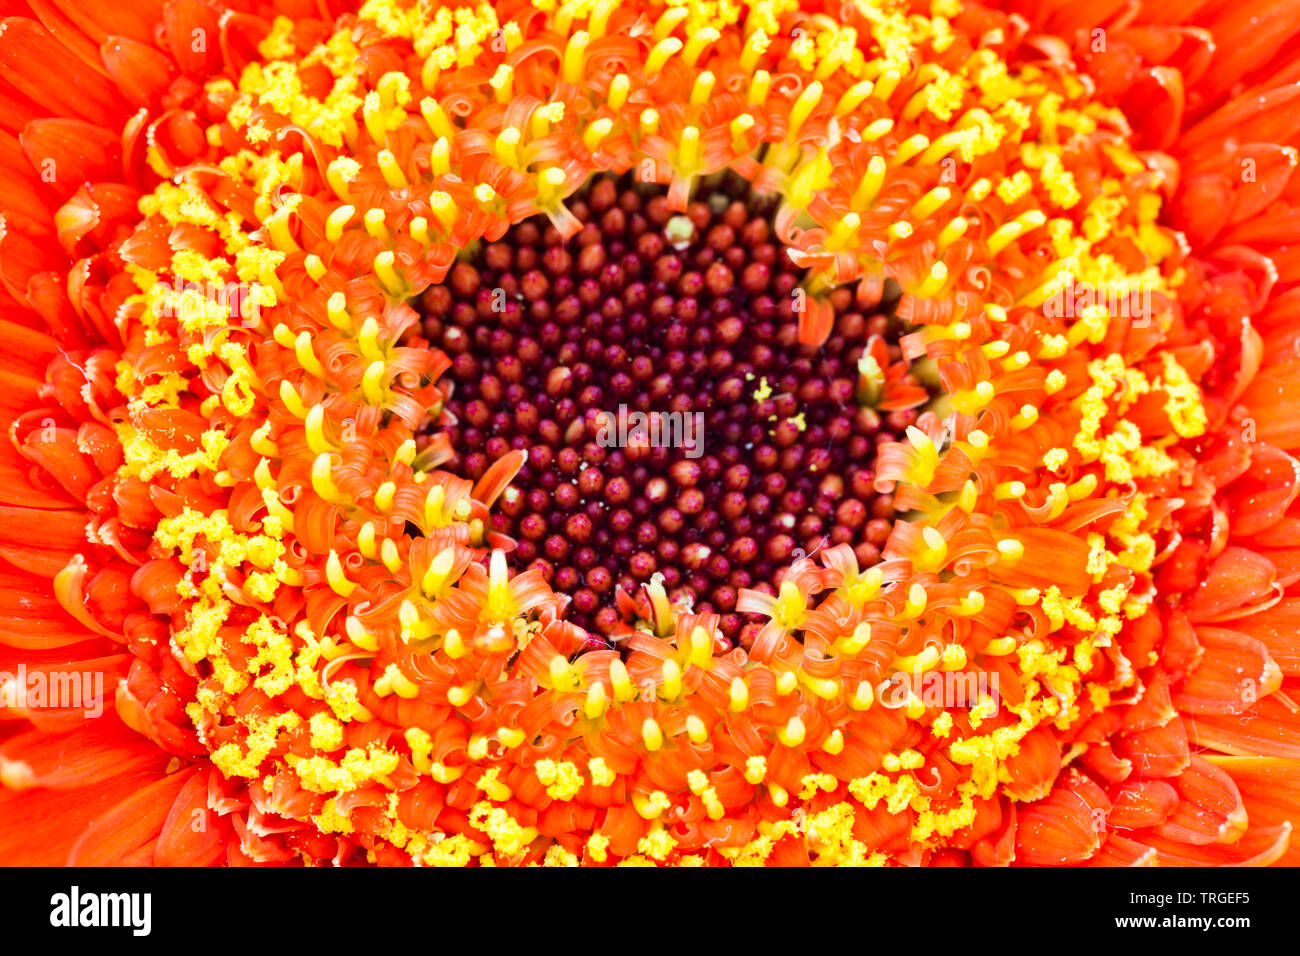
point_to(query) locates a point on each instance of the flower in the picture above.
(312, 321)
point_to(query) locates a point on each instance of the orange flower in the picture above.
(312, 317)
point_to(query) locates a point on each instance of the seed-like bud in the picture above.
(566, 495)
(685, 473)
(695, 555)
(851, 514)
(878, 531)
(656, 490)
(556, 547)
(599, 579)
(671, 521)
(743, 550)
(691, 501)
(578, 528)
(618, 491)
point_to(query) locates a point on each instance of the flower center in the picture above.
(674, 425)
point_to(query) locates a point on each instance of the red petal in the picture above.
(131, 826)
(185, 22)
(1271, 397)
(1155, 709)
(193, 834)
(1160, 752)
(84, 756)
(1233, 674)
(1210, 811)
(1269, 729)
(140, 72)
(1142, 803)
(69, 152)
(1059, 830)
(1259, 500)
(26, 350)
(25, 208)
(68, 29)
(20, 261)
(1261, 846)
(42, 542)
(1271, 167)
(31, 616)
(1237, 580)
(39, 827)
(100, 17)
(96, 677)
(43, 69)
(1244, 119)
(1033, 768)
(1118, 851)
(94, 211)
(1279, 629)
(1270, 788)
(1155, 104)
(1248, 35)
(1201, 207)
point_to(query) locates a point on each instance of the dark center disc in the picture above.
(753, 449)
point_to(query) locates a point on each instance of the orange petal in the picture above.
(496, 479)
(1158, 752)
(137, 21)
(78, 758)
(1155, 709)
(1142, 803)
(181, 18)
(26, 350)
(1271, 401)
(1269, 729)
(72, 150)
(140, 72)
(1261, 846)
(31, 617)
(128, 831)
(42, 542)
(1118, 851)
(43, 69)
(1279, 630)
(1270, 789)
(1055, 832)
(58, 816)
(1238, 579)
(1210, 811)
(1033, 768)
(192, 834)
(1234, 672)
